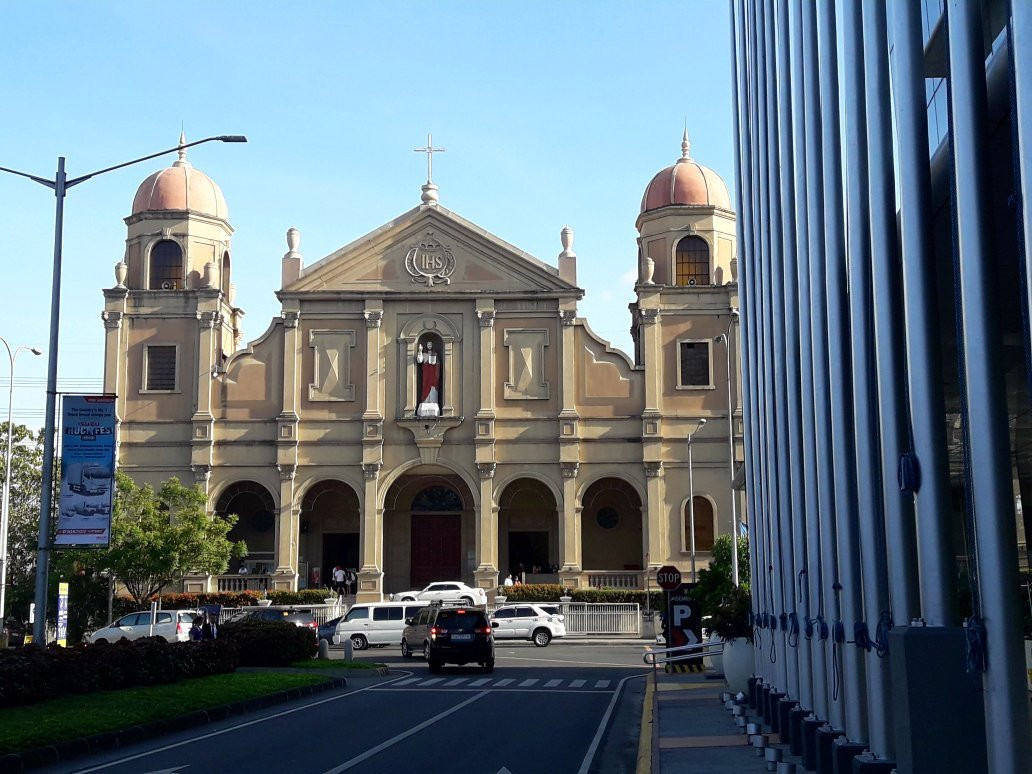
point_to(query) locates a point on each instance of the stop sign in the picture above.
(668, 577)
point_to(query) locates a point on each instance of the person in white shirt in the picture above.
(338, 579)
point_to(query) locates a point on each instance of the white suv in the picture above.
(539, 623)
(449, 591)
(173, 625)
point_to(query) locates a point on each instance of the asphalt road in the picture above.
(564, 708)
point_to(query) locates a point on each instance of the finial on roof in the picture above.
(182, 151)
(686, 147)
(566, 239)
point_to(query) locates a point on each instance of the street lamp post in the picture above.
(726, 337)
(60, 184)
(6, 503)
(691, 499)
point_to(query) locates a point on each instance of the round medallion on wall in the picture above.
(607, 517)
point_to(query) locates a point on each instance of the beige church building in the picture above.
(429, 405)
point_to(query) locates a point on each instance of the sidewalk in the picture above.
(691, 730)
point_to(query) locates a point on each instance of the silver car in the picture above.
(173, 625)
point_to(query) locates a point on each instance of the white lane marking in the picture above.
(403, 735)
(552, 683)
(456, 681)
(602, 684)
(432, 681)
(481, 681)
(238, 726)
(409, 681)
(506, 681)
(577, 683)
(528, 683)
(590, 754)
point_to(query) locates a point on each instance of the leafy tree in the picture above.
(23, 531)
(715, 584)
(159, 536)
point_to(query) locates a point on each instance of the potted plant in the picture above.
(730, 622)
(564, 595)
(263, 599)
(501, 595)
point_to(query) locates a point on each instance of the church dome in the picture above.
(181, 187)
(686, 182)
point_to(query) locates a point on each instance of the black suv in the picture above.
(457, 635)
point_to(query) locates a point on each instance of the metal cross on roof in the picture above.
(429, 150)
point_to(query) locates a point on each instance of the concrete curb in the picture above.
(109, 740)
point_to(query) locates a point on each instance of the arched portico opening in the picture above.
(528, 531)
(328, 525)
(611, 534)
(428, 531)
(255, 510)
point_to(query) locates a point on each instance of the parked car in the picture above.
(450, 635)
(374, 623)
(285, 614)
(328, 629)
(453, 591)
(535, 622)
(173, 625)
(16, 631)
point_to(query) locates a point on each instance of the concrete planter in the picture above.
(738, 664)
(264, 602)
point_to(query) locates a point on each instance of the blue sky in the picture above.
(551, 113)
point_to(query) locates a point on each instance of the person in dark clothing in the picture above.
(196, 630)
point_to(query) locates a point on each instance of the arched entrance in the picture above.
(528, 530)
(255, 510)
(428, 532)
(611, 526)
(328, 524)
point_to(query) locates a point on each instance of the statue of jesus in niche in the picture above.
(429, 365)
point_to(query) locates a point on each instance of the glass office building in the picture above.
(884, 166)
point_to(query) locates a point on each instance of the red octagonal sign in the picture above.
(668, 577)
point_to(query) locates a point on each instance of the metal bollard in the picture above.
(324, 649)
(753, 728)
(786, 767)
(349, 649)
(773, 757)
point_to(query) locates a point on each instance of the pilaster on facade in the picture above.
(486, 573)
(370, 576)
(114, 362)
(287, 530)
(375, 377)
(570, 521)
(655, 528)
(486, 345)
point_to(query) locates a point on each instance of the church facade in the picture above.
(428, 405)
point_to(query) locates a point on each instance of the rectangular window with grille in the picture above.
(161, 368)
(694, 363)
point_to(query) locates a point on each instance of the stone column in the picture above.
(570, 533)
(287, 527)
(486, 573)
(370, 576)
(654, 518)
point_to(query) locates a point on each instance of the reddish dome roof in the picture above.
(686, 182)
(181, 187)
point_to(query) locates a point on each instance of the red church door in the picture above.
(436, 548)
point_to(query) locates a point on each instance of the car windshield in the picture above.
(460, 620)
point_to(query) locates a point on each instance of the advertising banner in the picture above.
(87, 471)
(62, 614)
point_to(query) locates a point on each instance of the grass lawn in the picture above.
(318, 663)
(70, 717)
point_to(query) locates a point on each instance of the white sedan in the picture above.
(450, 591)
(535, 622)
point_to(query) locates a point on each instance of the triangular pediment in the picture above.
(429, 248)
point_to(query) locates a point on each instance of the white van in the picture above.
(375, 623)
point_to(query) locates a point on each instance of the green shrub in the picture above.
(302, 597)
(550, 592)
(32, 674)
(270, 643)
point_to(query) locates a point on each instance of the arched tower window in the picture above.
(704, 536)
(224, 276)
(166, 266)
(692, 261)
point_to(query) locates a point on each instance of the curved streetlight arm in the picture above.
(76, 180)
(726, 338)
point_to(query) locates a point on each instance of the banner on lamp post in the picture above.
(87, 471)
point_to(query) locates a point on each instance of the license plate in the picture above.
(461, 637)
